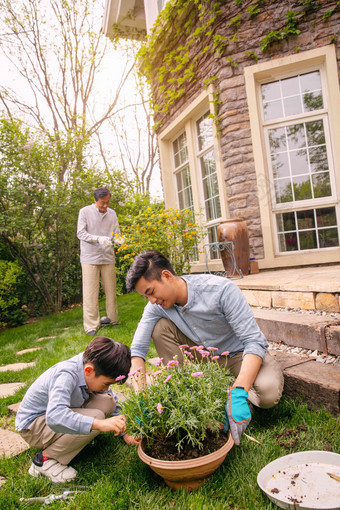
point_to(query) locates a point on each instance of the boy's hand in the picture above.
(115, 424)
(131, 440)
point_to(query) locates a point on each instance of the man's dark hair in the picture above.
(109, 358)
(101, 192)
(148, 264)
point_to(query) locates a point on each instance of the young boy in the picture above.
(70, 403)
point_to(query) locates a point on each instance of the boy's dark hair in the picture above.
(148, 264)
(101, 192)
(109, 358)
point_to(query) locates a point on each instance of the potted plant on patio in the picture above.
(179, 418)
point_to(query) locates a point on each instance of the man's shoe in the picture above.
(105, 321)
(92, 332)
(52, 469)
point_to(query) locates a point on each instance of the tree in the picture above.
(57, 49)
(38, 212)
(136, 139)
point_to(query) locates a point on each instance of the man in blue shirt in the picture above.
(210, 311)
(70, 403)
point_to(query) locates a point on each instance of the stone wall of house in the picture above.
(235, 137)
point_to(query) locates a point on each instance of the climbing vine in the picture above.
(187, 30)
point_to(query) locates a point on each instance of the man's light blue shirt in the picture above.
(215, 315)
(54, 393)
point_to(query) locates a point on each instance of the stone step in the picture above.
(9, 389)
(11, 443)
(308, 331)
(15, 367)
(315, 383)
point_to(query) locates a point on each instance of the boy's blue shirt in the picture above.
(54, 393)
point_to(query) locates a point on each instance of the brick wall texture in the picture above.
(235, 136)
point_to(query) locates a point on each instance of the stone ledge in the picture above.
(317, 384)
(298, 329)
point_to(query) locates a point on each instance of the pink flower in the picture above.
(215, 357)
(183, 346)
(179, 382)
(188, 354)
(168, 378)
(159, 362)
(120, 378)
(196, 347)
(135, 371)
(173, 362)
(160, 408)
(157, 372)
(196, 374)
(212, 349)
(203, 352)
(225, 353)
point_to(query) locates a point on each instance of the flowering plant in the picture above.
(182, 402)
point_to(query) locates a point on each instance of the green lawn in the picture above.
(117, 477)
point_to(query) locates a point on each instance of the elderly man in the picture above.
(98, 229)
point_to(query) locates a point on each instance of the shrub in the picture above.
(172, 232)
(12, 311)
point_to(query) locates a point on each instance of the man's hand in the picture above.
(104, 241)
(115, 424)
(237, 414)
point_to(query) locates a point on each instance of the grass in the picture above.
(118, 479)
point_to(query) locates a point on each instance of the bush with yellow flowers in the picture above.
(172, 232)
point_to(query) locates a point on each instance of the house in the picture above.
(247, 111)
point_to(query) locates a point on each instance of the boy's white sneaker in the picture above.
(52, 469)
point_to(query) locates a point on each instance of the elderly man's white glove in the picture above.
(119, 240)
(104, 241)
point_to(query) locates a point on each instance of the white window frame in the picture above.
(325, 60)
(186, 121)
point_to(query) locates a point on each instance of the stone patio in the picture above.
(307, 288)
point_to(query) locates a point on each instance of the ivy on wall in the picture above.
(187, 30)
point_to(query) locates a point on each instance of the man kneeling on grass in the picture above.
(70, 403)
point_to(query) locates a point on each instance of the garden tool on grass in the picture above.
(237, 414)
(47, 500)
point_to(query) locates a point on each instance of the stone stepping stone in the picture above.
(15, 367)
(45, 338)
(19, 353)
(8, 389)
(11, 443)
(13, 408)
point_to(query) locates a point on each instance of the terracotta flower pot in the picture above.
(188, 474)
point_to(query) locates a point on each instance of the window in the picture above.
(207, 164)
(297, 136)
(203, 148)
(183, 179)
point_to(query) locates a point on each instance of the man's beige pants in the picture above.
(91, 275)
(268, 385)
(63, 447)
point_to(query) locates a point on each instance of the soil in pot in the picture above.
(166, 449)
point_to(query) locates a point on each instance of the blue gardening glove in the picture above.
(237, 414)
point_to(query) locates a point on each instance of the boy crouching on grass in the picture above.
(70, 403)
